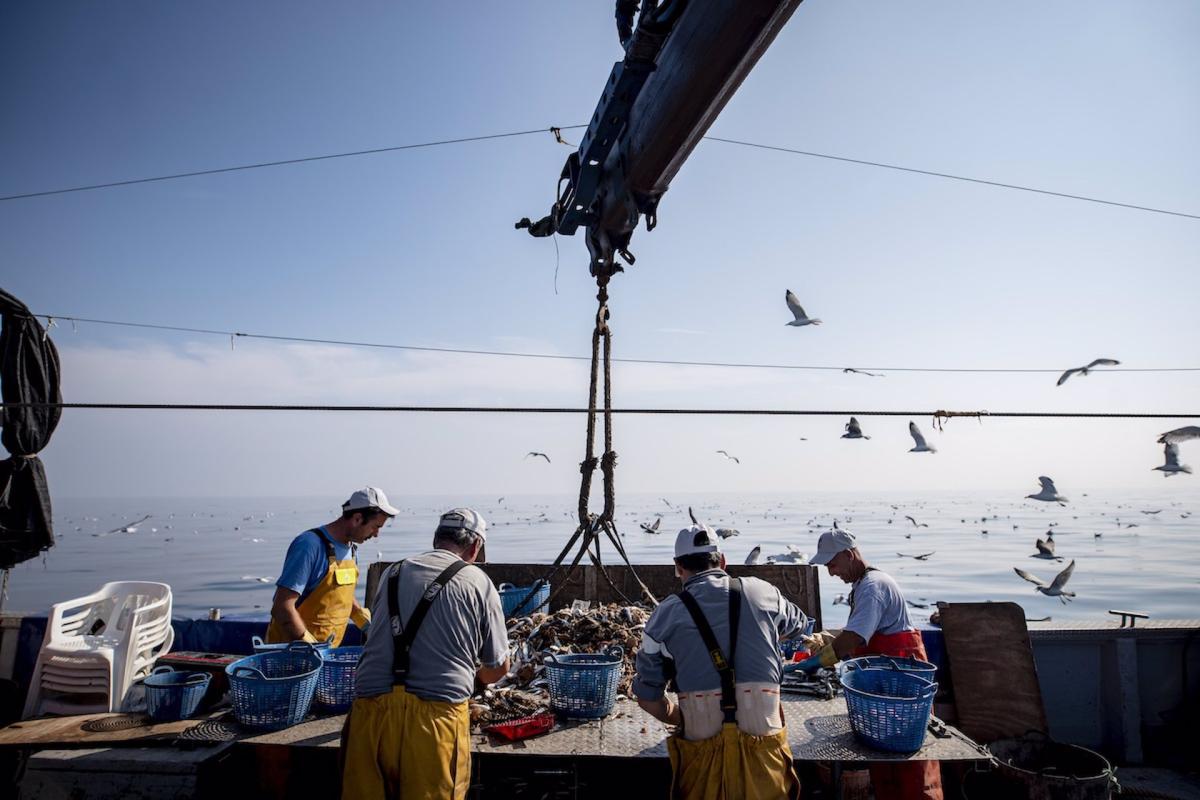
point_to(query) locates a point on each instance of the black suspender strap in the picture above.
(724, 667)
(329, 552)
(402, 641)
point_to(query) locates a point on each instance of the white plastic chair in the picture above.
(97, 646)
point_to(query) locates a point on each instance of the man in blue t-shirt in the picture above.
(314, 595)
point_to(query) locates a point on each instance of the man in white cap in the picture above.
(314, 594)
(878, 626)
(718, 642)
(409, 731)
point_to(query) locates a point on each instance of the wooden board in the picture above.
(74, 731)
(996, 690)
(796, 582)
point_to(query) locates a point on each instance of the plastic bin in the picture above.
(516, 600)
(172, 695)
(335, 685)
(584, 685)
(889, 707)
(274, 690)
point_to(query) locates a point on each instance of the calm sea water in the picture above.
(217, 552)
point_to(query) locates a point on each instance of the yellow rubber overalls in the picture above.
(731, 765)
(326, 609)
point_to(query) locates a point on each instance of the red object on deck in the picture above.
(800, 655)
(514, 730)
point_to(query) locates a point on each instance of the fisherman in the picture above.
(878, 626)
(408, 732)
(314, 595)
(718, 641)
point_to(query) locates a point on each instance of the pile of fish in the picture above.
(524, 690)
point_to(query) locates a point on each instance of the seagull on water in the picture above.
(535, 454)
(1180, 435)
(1045, 548)
(1099, 362)
(1055, 587)
(1172, 465)
(725, 533)
(801, 319)
(921, 447)
(734, 459)
(917, 524)
(1048, 493)
(854, 430)
(652, 528)
(921, 557)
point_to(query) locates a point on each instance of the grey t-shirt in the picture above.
(877, 606)
(670, 632)
(464, 626)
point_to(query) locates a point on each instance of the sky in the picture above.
(417, 247)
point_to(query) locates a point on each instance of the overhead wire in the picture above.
(556, 131)
(564, 357)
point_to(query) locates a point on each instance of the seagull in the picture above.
(1045, 548)
(725, 533)
(841, 600)
(914, 604)
(917, 524)
(794, 555)
(921, 557)
(538, 455)
(1156, 511)
(1180, 435)
(1172, 467)
(1055, 587)
(501, 500)
(652, 528)
(921, 447)
(755, 556)
(863, 372)
(801, 319)
(1099, 362)
(1048, 493)
(854, 430)
(734, 459)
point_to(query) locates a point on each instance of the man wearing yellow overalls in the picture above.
(314, 595)
(718, 639)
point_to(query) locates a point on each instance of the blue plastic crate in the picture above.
(335, 685)
(889, 707)
(584, 685)
(516, 600)
(172, 696)
(274, 690)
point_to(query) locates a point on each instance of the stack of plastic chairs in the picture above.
(97, 646)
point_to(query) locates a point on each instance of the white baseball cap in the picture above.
(466, 519)
(831, 543)
(696, 539)
(369, 497)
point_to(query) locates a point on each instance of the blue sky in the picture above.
(417, 247)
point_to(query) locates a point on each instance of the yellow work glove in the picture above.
(818, 640)
(827, 657)
(361, 617)
(308, 637)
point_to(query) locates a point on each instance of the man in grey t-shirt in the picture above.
(408, 732)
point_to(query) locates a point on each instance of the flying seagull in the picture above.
(652, 528)
(863, 372)
(854, 430)
(1180, 435)
(1048, 493)
(921, 557)
(1099, 362)
(734, 459)
(917, 524)
(726, 533)
(128, 527)
(755, 556)
(1055, 587)
(536, 455)
(801, 319)
(921, 447)
(1172, 465)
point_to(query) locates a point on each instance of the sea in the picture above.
(1133, 550)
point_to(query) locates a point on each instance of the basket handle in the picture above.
(505, 586)
(248, 672)
(928, 691)
(161, 669)
(304, 647)
(551, 658)
(256, 642)
(197, 678)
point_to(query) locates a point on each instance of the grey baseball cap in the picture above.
(831, 543)
(696, 539)
(467, 519)
(369, 497)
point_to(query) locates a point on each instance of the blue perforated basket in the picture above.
(516, 600)
(335, 685)
(584, 685)
(913, 665)
(262, 647)
(889, 707)
(172, 695)
(273, 690)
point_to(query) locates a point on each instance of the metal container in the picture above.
(1038, 768)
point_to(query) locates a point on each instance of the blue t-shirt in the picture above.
(306, 564)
